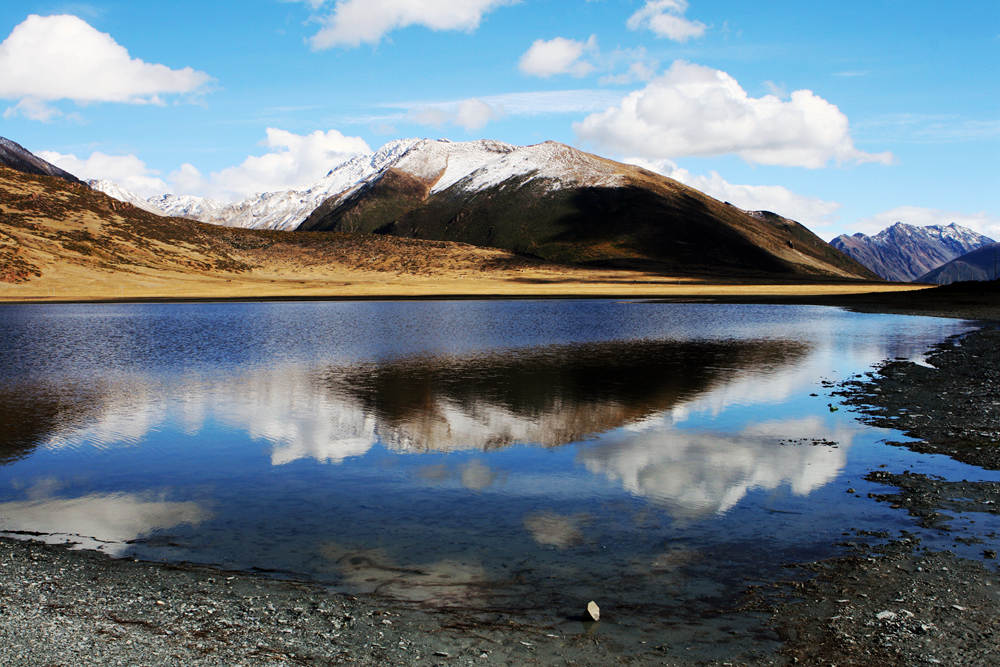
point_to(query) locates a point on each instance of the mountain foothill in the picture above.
(422, 207)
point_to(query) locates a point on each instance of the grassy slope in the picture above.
(67, 242)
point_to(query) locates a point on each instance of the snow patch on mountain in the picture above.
(472, 165)
(560, 165)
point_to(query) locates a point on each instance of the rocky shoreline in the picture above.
(896, 602)
(888, 600)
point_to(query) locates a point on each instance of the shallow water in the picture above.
(521, 456)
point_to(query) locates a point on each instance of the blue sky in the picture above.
(846, 116)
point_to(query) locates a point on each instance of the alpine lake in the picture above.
(520, 457)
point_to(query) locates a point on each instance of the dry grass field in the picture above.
(62, 242)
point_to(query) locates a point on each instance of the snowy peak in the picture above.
(438, 163)
(563, 205)
(905, 252)
(559, 164)
(121, 194)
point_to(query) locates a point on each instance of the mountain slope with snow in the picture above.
(443, 162)
(552, 201)
(904, 252)
(547, 200)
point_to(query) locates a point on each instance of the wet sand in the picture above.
(886, 601)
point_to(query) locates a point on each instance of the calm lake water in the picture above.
(522, 456)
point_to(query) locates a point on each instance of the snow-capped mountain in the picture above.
(439, 163)
(905, 252)
(548, 200)
(439, 160)
(561, 204)
(121, 194)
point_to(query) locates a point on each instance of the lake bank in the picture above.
(74, 612)
(899, 602)
(543, 283)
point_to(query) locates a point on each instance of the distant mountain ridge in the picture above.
(905, 252)
(980, 264)
(16, 156)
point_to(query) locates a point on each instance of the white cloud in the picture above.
(982, 222)
(127, 171)
(665, 18)
(48, 58)
(293, 161)
(810, 211)
(546, 58)
(33, 109)
(697, 110)
(469, 114)
(356, 22)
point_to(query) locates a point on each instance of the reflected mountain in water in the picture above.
(550, 395)
(31, 414)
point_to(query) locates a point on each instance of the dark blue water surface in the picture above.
(518, 455)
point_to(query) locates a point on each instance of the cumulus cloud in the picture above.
(982, 222)
(127, 171)
(546, 58)
(810, 211)
(49, 58)
(665, 18)
(292, 161)
(471, 114)
(695, 110)
(356, 22)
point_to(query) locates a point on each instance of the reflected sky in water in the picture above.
(527, 454)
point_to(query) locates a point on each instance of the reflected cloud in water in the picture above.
(549, 396)
(694, 473)
(106, 522)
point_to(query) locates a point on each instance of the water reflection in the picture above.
(500, 454)
(440, 583)
(550, 396)
(696, 473)
(106, 522)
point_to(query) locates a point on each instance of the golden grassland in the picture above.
(61, 242)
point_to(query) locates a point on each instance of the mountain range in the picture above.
(905, 253)
(548, 200)
(980, 264)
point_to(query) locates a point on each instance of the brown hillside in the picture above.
(60, 241)
(594, 213)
